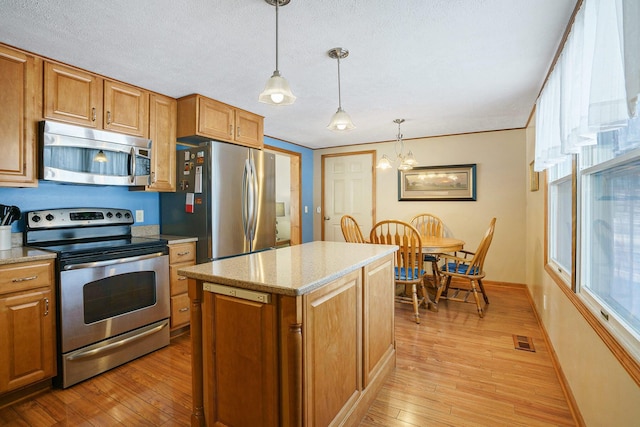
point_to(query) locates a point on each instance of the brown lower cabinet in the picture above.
(180, 255)
(316, 359)
(27, 319)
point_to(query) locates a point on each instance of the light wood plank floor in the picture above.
(454, 369)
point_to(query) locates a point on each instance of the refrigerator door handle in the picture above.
(245, 198)
(254, 201)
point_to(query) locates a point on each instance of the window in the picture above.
(587, 120)
(560, 203)
(610, 230)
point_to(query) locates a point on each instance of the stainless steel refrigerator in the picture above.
(225, 197)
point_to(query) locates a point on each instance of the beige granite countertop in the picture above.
(292, 270)
(24, 254)
(172, 240)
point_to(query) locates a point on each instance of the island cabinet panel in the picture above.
(332, 342)
(243, 362)
(378, 318)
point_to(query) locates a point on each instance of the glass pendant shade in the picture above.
(410, 159)
(277, 91)
(384, 162)
(341, 121)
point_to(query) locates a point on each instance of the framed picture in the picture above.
(454, 182)
(534, 178)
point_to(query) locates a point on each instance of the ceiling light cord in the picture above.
(339, 91)
(277, 55)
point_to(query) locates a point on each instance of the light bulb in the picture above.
(277, 97)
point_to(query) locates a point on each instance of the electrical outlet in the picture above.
(139, 216)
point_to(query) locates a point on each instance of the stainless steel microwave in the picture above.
(87, 156)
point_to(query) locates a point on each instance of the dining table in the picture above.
(433, 245)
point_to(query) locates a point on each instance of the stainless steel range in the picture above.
(112, 288)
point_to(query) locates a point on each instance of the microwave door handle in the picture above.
(133, 164)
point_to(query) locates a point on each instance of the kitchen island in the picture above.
(300, 335)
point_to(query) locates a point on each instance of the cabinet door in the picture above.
(126, 109)
(19, 84)
(72, 96)
(332, 350)
(243, 363)
(378, 317)
(249, 129)
(27, 345)
(162, 132)
(215, 120)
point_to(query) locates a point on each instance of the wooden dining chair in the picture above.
(466, 266)
(432, 226)
(351, 230)
(408, 271)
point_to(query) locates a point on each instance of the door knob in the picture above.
(327, 218)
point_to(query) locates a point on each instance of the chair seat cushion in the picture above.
(460, 268)
(408, 274)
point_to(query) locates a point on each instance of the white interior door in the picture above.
(348, 190)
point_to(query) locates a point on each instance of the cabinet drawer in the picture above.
(180, 310)
(182, 252)
(27, 275)
(178, 283)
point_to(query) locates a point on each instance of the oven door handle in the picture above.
(117, 344)
(111, 261)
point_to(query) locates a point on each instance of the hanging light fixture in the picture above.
(405, 162)
(340, 120)
(277, 90)
(100, 157)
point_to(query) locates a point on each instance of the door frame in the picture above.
(295, 198)
(373, 184)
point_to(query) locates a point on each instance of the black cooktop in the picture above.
(102, 246)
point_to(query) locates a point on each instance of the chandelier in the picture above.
(340, 121)
(405, 162)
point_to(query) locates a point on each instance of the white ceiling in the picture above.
(445, 66)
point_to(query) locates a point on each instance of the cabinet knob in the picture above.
(108, 117)
(46, 306)
(238, 132)
(231, 130)
(183, 309)
(93, 114)
(184, 253)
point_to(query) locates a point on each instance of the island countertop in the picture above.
(293, 270)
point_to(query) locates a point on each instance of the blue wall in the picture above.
(49, 195)
(307, 183)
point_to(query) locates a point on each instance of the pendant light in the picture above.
(340, 121)
(405, 162)
(277, 90)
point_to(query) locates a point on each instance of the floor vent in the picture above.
(521, 342)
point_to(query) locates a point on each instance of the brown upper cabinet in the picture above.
(20, 89)
(162, 131)
(201, 119)
(75, 96)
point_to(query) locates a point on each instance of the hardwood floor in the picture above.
(454, 369)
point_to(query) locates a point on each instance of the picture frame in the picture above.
(438, 183)
(534, 178)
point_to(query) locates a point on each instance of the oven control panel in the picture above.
(75, 217)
